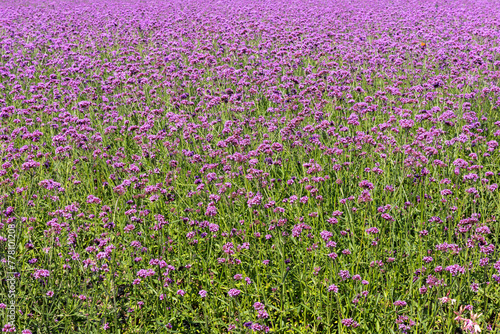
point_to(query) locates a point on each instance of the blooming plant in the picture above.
(468, 325)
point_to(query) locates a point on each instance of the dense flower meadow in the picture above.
(281, 166)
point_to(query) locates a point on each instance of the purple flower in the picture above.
(93, 199)
(349, 323)
(333, 288)
(202, 293)
(325, 235)
(372, 230)
(233, 292)
(213, 227)
(8, 328)
(400, 303)
(455, 270)
(497, 266)
(211, 210)
(262, 314)
(344, 274)
(40, 273)
(366, 184)
(258, 306)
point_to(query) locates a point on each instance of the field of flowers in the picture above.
(281, 166)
